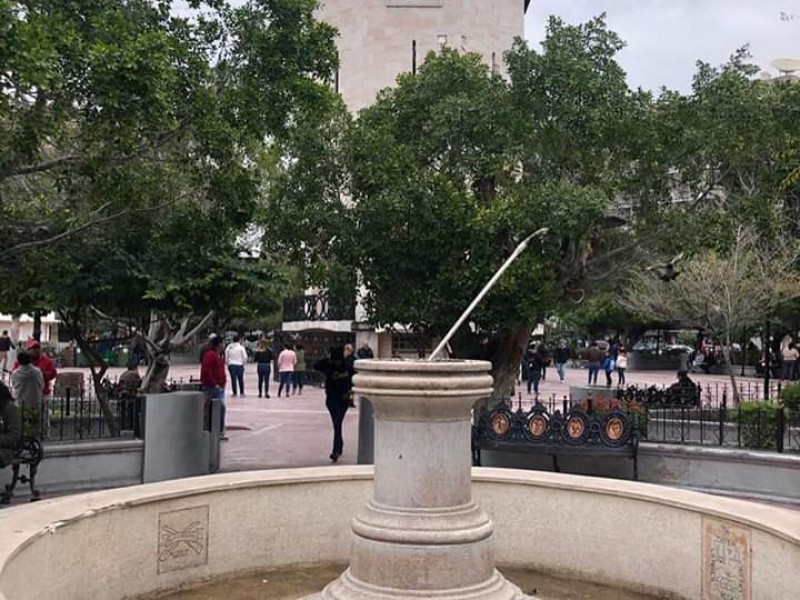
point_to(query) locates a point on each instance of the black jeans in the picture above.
(264, 371)
(337, 407)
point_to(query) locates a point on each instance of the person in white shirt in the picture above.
(236, 359)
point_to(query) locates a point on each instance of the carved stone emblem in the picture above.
(182, 539)
(727, 565)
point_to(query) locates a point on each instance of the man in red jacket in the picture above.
(41, 362)
(212, 375)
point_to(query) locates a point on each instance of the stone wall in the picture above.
(79, 466)
(376, 36)
(142, 540)
(742, 473)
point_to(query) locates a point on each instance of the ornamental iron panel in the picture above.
(538, 430)
(317, 307)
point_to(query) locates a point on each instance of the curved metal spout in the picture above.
(519, 250)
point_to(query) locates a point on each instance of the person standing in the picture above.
(6, 345)
(263, 359)
(622, 365)
(561, 356)
(10, 426)
(287, 360)
(27, 383)
(365, 352)
(236, 359)
(595, 357)
(338, 373)
(299, 369)
(42, 362)
(212, 377)
(789, 357)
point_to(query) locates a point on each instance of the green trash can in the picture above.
(123, 356)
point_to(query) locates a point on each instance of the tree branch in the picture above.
(85, 226)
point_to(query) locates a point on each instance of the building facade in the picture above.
(380, 39)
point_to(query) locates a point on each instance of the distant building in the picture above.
(379, 39)
(20, 327)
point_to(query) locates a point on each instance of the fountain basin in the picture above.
(134, 542)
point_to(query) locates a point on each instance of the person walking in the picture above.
(622, 365)
(338, 373)
(544, 358)
(287, 360)
(212, 377)
(299, 369)
(263, 359)
(533, 361)
(27, 383)
(236, 359)
(6, 345)
(350, 357)
(562, 357)
(595, 357)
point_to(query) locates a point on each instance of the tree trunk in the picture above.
(102, 399)
(726, 353)
(155, 378)
(506, 359)
(97, 367)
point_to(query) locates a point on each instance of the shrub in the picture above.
(790, 396)
(757, 422)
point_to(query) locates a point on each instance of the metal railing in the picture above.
(705, 416)
(317, 307)
(73, 413)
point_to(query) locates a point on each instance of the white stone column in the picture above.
(422, 535)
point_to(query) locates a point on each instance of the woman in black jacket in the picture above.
(338, 383)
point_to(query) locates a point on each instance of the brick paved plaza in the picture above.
(296, 432)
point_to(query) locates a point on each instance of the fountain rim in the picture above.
(402, 365)
(24, 524)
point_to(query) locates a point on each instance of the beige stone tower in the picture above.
(379, 39)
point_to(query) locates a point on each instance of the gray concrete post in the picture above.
(175, 443)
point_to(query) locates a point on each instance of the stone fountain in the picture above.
(422, 535)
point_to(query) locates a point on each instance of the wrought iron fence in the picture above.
(73, 412)
(702, 416)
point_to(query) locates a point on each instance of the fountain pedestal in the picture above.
(422, 535)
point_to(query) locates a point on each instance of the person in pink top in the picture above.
(287, 360)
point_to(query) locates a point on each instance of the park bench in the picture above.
(537, 431)
(28, 454)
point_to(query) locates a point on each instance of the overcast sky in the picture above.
(666, 37)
